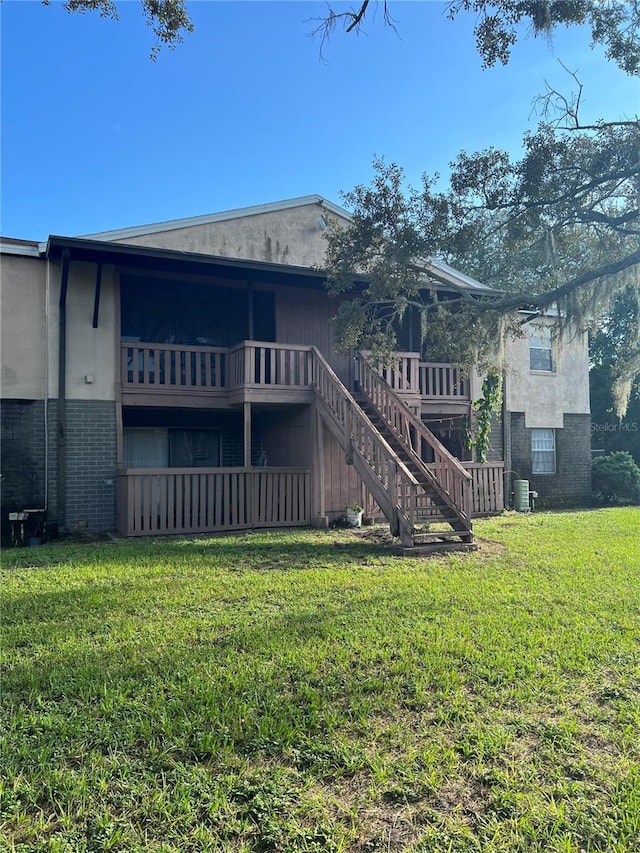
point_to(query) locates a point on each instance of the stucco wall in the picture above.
(544, 397)
(90, 352)
(23, 354)
(293, 236)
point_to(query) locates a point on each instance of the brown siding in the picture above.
(304, 317)
(286, 437)
(342, 484)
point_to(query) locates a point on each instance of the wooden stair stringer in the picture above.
(426, 478)
(380, 467)
(402, 447)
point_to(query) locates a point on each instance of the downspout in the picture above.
(506, 444)
(62, 386)
(47, 320)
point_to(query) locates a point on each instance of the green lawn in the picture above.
(305, 691)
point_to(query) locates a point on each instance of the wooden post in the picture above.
(393, 482)
(250, 306)
(348, 433)
(247, 372)
(392, 475)
(247, 435)
(319, 518)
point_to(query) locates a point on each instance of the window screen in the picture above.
(194, 448)
(146, 448)
(543, 451)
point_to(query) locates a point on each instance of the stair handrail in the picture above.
(450, 476)
(389, 469)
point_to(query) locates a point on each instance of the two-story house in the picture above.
(183, 377)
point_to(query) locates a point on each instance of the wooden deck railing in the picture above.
(194, 369)
(391, 483)
(487, 493)
(269, 365)
(408, 376)
(401, 374)
(446, 473)
(155, 501)
(169, 366)
(443, 382)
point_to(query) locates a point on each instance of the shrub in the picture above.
(615, 479)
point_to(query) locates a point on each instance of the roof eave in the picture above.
(96, 251)
(222, 216)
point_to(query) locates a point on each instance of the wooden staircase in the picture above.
(386, 444)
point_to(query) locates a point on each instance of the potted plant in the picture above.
(354, 514)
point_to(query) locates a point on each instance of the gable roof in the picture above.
(222, 216)
(438, 270)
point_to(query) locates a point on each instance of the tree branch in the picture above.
(549, 297)
(358, 16)
(567, 108)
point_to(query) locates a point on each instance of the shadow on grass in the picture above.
(248, 551)
(268, 663)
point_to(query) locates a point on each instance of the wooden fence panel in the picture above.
(487, 487)
(187, 500)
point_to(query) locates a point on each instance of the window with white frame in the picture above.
(540, 351)
(543, 451)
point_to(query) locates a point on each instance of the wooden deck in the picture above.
(424, 385)
(391, 467)
(252, 371)
(255, 371)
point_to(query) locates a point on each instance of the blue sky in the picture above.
(96, 136)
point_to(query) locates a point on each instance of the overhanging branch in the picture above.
(549, 297)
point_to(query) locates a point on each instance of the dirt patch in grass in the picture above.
(490, 548)
(381, 822)
(467, 799)
(381, 535)
(387, 829)
(378, 535)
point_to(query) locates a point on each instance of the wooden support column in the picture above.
(250, 306)
(394, 522)
(247, 435)
(348, 434)
(318, 514)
